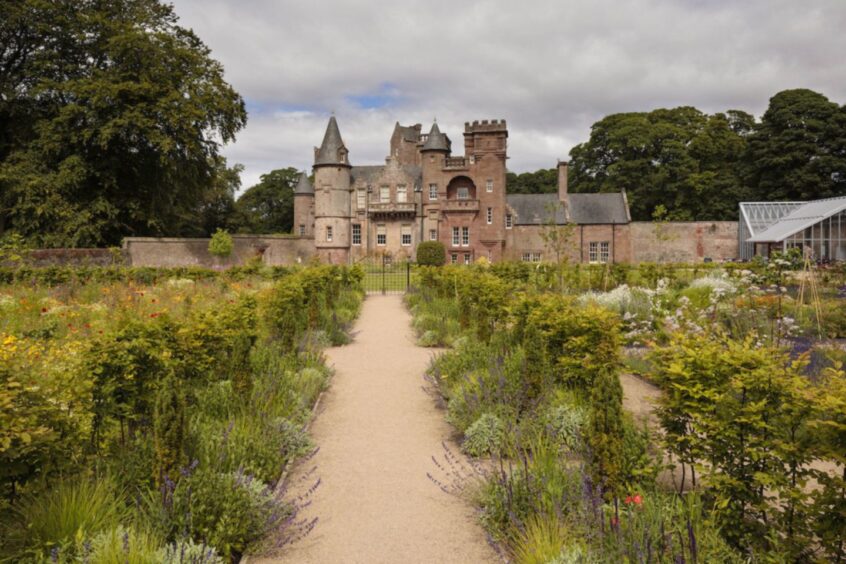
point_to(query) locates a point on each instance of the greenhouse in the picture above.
(817, 227)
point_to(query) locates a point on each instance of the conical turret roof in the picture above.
(304, 187)
(436, 141)
(332, 151)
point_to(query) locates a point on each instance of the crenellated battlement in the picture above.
(485, 126)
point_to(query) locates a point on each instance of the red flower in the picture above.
(43, 310)
(628, 500)
(637, 499)
(154, 315)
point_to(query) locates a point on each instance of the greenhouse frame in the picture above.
(817, 227)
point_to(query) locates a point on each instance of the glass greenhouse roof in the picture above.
(799, 217)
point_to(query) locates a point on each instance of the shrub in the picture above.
(186, 551)
(484, 436)
(62, 515)
(221, 244)
(566, 425)
(226, 510)
(122, 545)
(431, 253)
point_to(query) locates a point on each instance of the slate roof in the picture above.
(585, 209)
(332, 144)
(799, 219)
(369, 174)
(436, 141)
(304, 186)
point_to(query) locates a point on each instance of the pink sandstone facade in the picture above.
(423, 192)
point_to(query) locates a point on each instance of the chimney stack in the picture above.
(562, 182)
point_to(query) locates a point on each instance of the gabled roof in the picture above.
(605, 207)
(799, 219)
(585, 209)
(304, 187)
(436, 141)
(329, 151)
(757, 216)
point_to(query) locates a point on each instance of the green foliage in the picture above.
(114, 115)
(221, 244)
(484, 436)
(680, 157)
(268, 207)
(169, 430)
(227, 510)
(543, 181)
(605, 432)
(63, 517)
(795, 153)
(121, 545)
(431, 253)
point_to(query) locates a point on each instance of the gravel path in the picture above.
(377, 431)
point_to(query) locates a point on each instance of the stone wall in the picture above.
(274, 250)
(636, 242)
(683, 241)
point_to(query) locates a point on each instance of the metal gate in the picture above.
(382, 275)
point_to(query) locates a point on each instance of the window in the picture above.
(433, 191)
(329, 233)
(454, 258)
(508, 221)
(465, 236)
(381, 235)
(463, 193)
(531, 257)
(405, 235)
(455, 237)
(466, 258)
(356, 234)
(489, 185)
(384, 194)
(361, 199)
(402, 193)
(599, 251)
(433, 234)
(302, 230)
(490, 216)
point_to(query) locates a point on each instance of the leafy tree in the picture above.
(268, 207)
(112, 116)
(543, 181)
(798, 151)
(681, 158)
(559, 240)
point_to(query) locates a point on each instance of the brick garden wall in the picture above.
(167, 251)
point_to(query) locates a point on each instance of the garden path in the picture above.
(377, 430)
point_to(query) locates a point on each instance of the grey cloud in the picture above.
(551, 68)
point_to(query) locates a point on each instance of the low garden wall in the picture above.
(273, 250)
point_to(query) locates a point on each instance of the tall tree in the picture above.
(268, 207)
(798, 151)
(112, 118)
(543, 181)
(680, 158)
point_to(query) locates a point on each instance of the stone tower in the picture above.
(332, 197)
(304, 207)
(485, 146)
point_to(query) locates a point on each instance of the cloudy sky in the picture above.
(551, 68)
